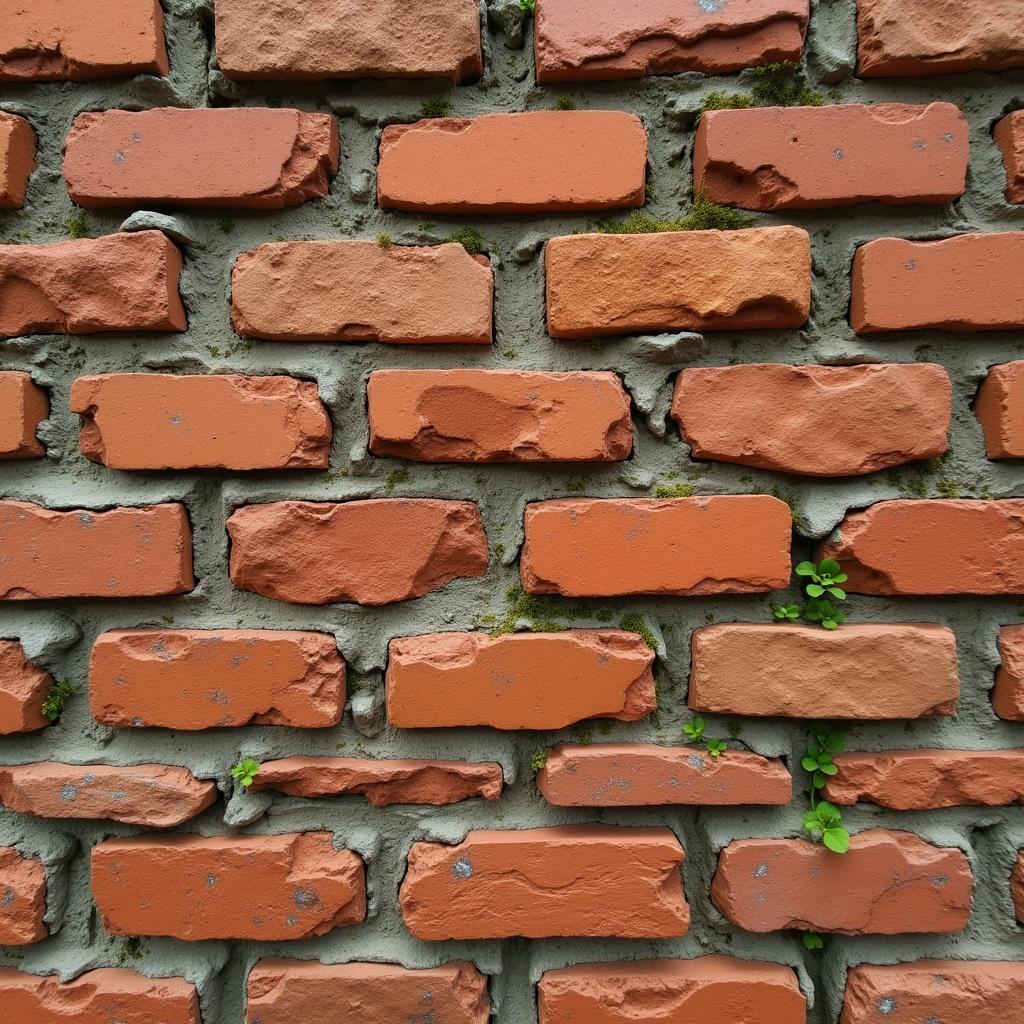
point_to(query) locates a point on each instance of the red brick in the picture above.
(22, 900)
(684, 547)
(499, 416)
(1017, 887)
(888, 883)
(538, 162)
(814, 420)
(464, 679)
(359, 291)
(157, 795)
(266, 888)
(570, 881)
(1009, 136)
(126, 552)
(678, 280)
(189, 679)
(672, 991)
(810, 158)
(158, 421)
(639, 775)
(47, 40)
(17, 159)
(900, 38)
(248, 157)
(891, 547)
(1008, 695)
(23, 688)
(772, 669)
(23, 406)
(367, 552)
(285, 991)
(963, 283)
(316, 39)
(124, 282)
(1000, 410)
(97, 997)
(578, 40)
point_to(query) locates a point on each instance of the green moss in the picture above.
(436, 106)
(674, 491)
(538, 760)
(634, 622)
(384, 240)
(56, 699)
(948, 488)
(226, 225)
(704, 215)
(775, 85)
(130, 949)
(77, 226)
(470, 239)
(528, 6)
(396, 477)
(565, 103)
(582, 735)
(728, 101)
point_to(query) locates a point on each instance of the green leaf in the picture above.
(815, 590)
(810, 764)
(841, 578)
(813, 941)
(838, 593)
(829, 566)
(819, 780)
(805, 569)
(830, 769)
(836, 839)
(835, 742)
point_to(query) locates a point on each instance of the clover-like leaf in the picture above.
(805, 569)
(836, 839)
(246, 771)
(717, 747)
(813, 941)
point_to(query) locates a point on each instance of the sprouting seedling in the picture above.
(825, 578)
(528, 6)
(246, 771)
(695, 730)
(821, 584)
(787, 612)
(820, 609)
(826, 821)
(717, 747)
(538, 760)
(53, 703)
(818, 760)
(812, 941)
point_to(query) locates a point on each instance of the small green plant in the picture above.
(470, 239)
(717, 747)
(246, 771)
(824, 819)
(775, 85)
(827, 821)
(821, 585)
(538, 760)
(528, 6)
(53, 703)
(436, 106)
(704, 215)
(565, 103)
(384, 240)
(788, 612)
(76, 226)
(819, 761)
(694, 729)
(812, 941)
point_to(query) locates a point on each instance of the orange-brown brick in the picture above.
(1017, 887)
(887, 883)
(539, 162)
(736, 544)
(1009, 136)
(266, 888)
(23, 406)
(499, 416)
(23, 905)
(1008, 695)
(23, 688)
(159, 421)
(1000, 410)
(17, 159)
(570, 881)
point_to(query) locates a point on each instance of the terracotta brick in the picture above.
(316, 39)
(569, 881)
(23, 902)
(126, 552)
(23, 406)
(814, 420)
(672, 990)
(684, 547)
(638, 775)
(577, 40)
(266, 888)
(23, 688)
(810, 158)
(890, 547)
(1008, 695)
(248, 157)
(124, 282)
(678, 280)
(1000, 410)
(463, 679)
(1017, 887)
(888, 883)
(284, 991)
(368, 552)
(97, 997)
(157, 795)
(542, 161)
(17, 159)
(358, 291)
(772, 669)
(499, 416)
(963, 283)
(1009, 136)
(382, 782)
(933, 37)
(48, 40)
(189, 679)
(159, 421)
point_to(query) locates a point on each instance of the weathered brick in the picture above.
(499, 416)
(963, 283)
(359, 291)
(265, 888)
(23, 406)
(159, 421)
(284, 991)
(189, 679)
(672, 990)
(890, 547)
(157, 795)
(368, 552)
(570, 881)
(23, 903)
(774, 669)
(677, 280)
(463, 679)
(1000, 410)
(734, 544)
(1009, 136)
(17, 159)
(1008, 694)
(23, 688)
(78, 40)
(250, 157)
(126, 552)
(124, 282)
(316, 39)
(815, 420)
(1017, 887)
(537, 162)
(888, 883)
(578, 40)
(636, 774)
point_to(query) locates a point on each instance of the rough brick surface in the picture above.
(499, 416)
(1009, 136)
(547, 882)
(23, 406)
(17, 159)
(1017, 887)
(266, 888)
(999, 407)
(24, 898)
(540, 161)
(23, 688)
(1008, 695)
(678, 280)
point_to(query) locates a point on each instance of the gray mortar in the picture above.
(59, 634)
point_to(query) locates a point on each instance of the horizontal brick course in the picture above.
(24, 900)
(23, 688)
(17, 159)
(23, 406)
